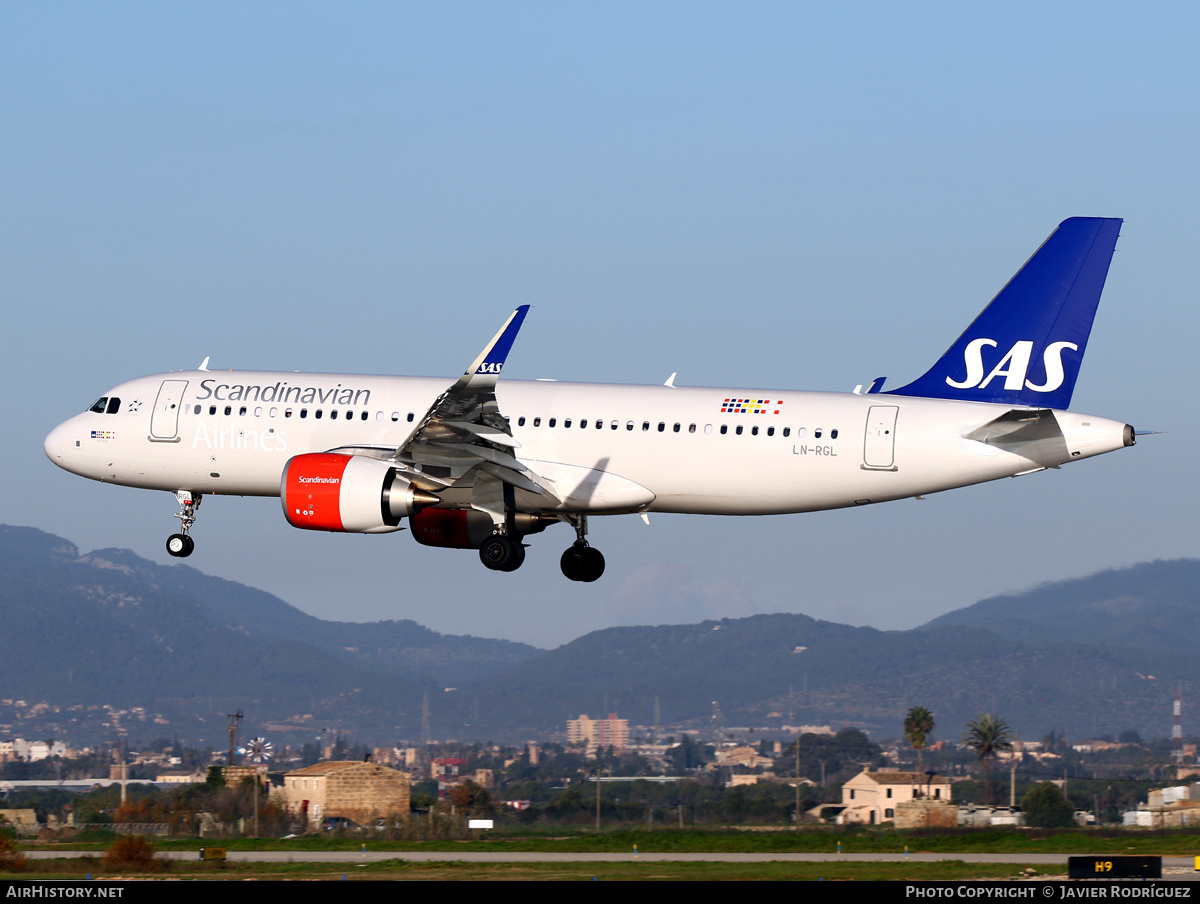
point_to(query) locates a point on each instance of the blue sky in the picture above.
(789, 195)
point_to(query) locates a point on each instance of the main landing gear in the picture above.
(581, 562)
(181, 545)
(500, 552)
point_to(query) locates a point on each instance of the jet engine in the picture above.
(350, 493)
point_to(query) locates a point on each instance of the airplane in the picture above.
(485, 463)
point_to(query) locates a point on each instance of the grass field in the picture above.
(449, 870)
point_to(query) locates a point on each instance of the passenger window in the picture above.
(333, 415)
(349, 415)
(287, 412)
(739, 430)
(378, 415)
(801, 432)
(661, 426)
(198, 410)
(521, 422)
(676, 427)
(228, 410)
(817, 433)
(629, 425)
(100, 405)
(258, 412)
(395, 416)
(754, 431)
(303, 412)
(242, 412)
(833, 434)
(724, 429)
(410, 417)
(274, 411)
(212, 409)
(691, 428)
(707, 429)
(365, 415)
(317, 414)
(615, 425)
(567, 422)
(583, 424)
(553, 421)
(537, 422)
(770, 431)
(787, 431)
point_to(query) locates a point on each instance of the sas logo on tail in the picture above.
(1013, 366)
(493, 367)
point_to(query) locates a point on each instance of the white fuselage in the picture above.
(643, 449)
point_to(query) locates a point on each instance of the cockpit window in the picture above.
(100, 405)
(114, 405)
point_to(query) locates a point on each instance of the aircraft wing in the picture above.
(464, 440)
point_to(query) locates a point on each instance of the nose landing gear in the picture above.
(181, 545)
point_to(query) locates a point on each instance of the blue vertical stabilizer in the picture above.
(1027, 345)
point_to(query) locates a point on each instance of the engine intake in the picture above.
(348, 493)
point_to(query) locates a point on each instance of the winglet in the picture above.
(486, 368)
(204, 363)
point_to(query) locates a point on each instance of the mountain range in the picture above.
(108, 642)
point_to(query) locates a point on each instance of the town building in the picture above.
(1168, 808)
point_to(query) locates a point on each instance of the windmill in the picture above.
(258, 750)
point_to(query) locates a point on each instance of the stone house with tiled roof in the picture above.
(362, 792)
(875, 797)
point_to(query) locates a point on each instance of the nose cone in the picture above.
(59, 443)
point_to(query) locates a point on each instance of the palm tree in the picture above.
(987, 734)
(918, 726)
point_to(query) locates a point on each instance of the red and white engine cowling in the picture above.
(349, 493)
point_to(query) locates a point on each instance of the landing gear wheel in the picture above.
(582, 563)
(499, 553)
(180, 545)
(518, 558)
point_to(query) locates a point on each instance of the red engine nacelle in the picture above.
(350, 493)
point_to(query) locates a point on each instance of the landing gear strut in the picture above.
(500, 552)
(581, 562)
(181, 545)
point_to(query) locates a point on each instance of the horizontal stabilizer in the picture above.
(1032, 433)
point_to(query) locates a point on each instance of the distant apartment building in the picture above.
(592, 734)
